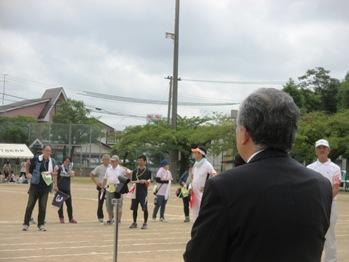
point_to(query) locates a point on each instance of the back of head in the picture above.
(270, 116)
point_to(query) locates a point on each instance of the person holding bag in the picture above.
(183, 193)
(64, 174)
(110, 185)
(139, 192)
(163, 180)
(41, 170)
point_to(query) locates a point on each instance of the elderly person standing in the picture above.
(271, 208)
(97, 176)
(332, 172)
(163, 188)
(202, 171)
(41, 171)
(110, 182)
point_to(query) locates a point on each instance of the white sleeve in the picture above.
(210, 169)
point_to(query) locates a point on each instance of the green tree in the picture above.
(323, 86)
(293, 90)
(72, 124)
(158, 140)
(317, 125)
(343, 94)
(15, 129)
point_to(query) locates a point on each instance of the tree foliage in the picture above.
(157, 140)
(324, 104)
(315, 91)
(74, 125)
(15, 129)
(317, 125)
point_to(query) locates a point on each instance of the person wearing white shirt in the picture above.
(202, 170)
(162, 190)
(110, 182)
(332, 172)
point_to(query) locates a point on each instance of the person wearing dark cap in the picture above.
(162, 190)
(202, 170)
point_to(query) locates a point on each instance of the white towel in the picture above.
(50, 166)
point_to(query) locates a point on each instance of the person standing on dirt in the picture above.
(141, 177)
(184, 182)
(97, 176)
(42, 169)
(65, 172)
(163, 187)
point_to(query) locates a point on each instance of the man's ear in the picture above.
(245, 136)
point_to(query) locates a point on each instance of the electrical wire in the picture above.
(148, 101)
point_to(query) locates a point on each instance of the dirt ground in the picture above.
(90, 241)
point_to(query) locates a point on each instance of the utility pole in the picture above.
(3, 89)
(174, 95)
(175, 69)
(169, 100)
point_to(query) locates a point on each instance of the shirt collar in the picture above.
(328, 161)
(253, 155)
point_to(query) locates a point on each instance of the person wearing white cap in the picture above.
(110, 182)
(331, 171)
(201, 172)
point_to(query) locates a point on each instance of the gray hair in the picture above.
(270, 116)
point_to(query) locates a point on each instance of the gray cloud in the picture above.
(119, 47)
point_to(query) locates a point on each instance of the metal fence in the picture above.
(84, 143)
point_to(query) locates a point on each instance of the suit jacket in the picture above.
(270, 209)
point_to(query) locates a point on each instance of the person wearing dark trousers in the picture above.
(64, 174)
(162, 190)
(41, 170)
(141, 178)
(97, 176)
(184, 181)
(271, 209)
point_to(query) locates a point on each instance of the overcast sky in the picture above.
(119, 48)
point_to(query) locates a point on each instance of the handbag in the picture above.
(156, 189)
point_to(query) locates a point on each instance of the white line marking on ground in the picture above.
(92, 254)
(91, 246)
(88, 241)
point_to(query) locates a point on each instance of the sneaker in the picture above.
(73, 221)
(186, 220)
(42, 228)
(163, 220)
(133, 225)
(25, 228)
(100, 220)
(61, 220)
(32, 222)
(145, 226)
(110, 222)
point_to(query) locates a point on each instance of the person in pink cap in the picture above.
(332, 172)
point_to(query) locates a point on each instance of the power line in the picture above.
(103, 111)
(148, 101)
(259, 82)
(18, 97)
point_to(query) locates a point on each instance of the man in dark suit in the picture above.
(271, 209)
